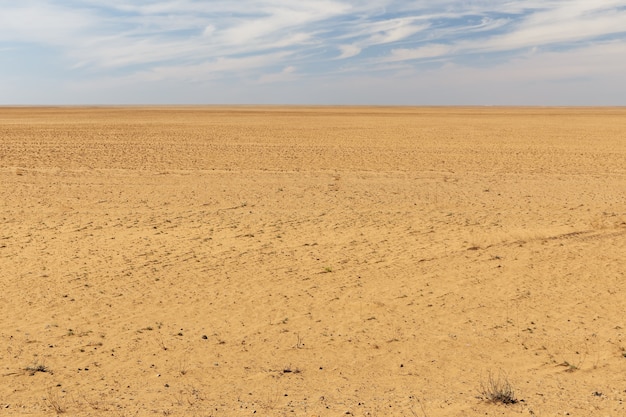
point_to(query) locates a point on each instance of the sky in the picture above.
(320, 52)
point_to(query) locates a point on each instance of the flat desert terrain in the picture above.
(294, 261)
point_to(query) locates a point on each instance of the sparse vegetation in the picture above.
(133, 269)
(37, 367)
(498, 390)
(55, 402)
(569, 367)
(183, 366)
(161, 343)
(299, 342)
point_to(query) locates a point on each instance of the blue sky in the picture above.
(444, 52)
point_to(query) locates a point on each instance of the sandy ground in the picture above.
(312, 261)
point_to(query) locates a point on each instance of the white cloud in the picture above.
(588, 76)
(43, 23)
(428, 51)
(348, 51)
(393, 30)
(208, 30)
(265, 40)
(555, 23)
(221, 66)
(558, 26)
(115, 33)
(597, 61)
(287, 74)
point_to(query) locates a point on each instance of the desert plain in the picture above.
(312, 261)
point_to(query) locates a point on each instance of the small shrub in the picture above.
(37, 367)
(498, 390)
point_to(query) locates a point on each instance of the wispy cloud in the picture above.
(271, 41)
(219, 67)
(393, 30)
(560, 26)
(40, 22)
(427, 51)
(286, 74)
(348, 51)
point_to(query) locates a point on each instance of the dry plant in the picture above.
(161, 343)
(299, 343)
(421, 406)
(37, 367)
(271, 401)
(183, 366)
(498, 390)
(55, 402)
(569, 367)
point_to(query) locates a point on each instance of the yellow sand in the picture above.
(209, 261)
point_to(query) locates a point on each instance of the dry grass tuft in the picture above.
(56, 403)
(498, 390)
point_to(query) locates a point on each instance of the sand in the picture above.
(212, 261)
